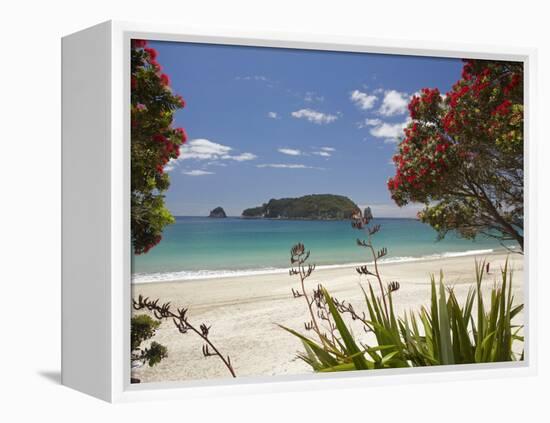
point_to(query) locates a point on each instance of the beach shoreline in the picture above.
(184, 276)
(245, 312)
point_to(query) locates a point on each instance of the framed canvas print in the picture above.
(241, 210)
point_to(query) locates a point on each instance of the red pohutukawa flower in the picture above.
(165, 79)
(467, 70)
(181, 101)
(138, 43)
(514, 82)
(503, 108)
(430, 96)
(182, 134)
(152, 53)
(159, 138)
(413, 106)
(156, 66)
(455, 96)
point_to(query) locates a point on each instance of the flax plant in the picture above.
(442, 333)
(447, 333)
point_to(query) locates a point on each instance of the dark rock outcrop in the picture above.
(218, 213)
(368, 213)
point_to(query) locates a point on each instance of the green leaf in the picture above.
(351, 346)
(324, 357)
(447, 356)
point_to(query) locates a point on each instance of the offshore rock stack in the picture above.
(218, 213)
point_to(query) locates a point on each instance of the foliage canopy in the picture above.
(143, 327)
(462, 155)
(154, 142)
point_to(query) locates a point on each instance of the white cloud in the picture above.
(289, 151)
(260, 79)
(197, 172)
(387, 130)
(394, 103)
(314, 116)
(203, 149)
(252, 78)
(363, 100)
(272, 115)
(329, 149)
(286, 166)
(322, 153)
(243, 157)
(311, 97)
(390, 131)
(373, 122)
(369, 122)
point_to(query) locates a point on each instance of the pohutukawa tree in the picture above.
(462, 154)
(154, 142)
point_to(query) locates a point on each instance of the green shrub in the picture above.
(452, 334)
(143, 327)
(335, 349)
(442, 333)
(341, 352)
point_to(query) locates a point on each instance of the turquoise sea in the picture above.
(201, 247)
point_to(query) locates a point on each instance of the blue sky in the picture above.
(269, 123)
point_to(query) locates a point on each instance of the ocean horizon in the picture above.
(205, 248)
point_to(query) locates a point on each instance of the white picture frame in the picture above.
(96, 304)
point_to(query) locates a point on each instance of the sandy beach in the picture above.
(244, 312)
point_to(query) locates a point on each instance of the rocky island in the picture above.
(313, 207)
(368, 213)
(218, 213)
